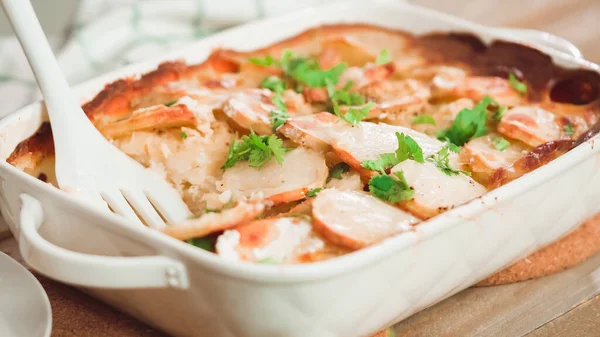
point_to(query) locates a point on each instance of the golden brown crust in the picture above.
(560, 255)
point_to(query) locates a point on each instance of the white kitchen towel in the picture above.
(108, 34)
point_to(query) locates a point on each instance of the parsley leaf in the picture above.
(568, 129)
(516, 84)
(497, 115)
(469, 124)
(354, 115)
(268, 260)
(337, 170)
(408, 148)
(500, 143)
(442, 160)
(313, 193)
(383, 57)
(184, 135)
(304, 70)
(386, 187)
(280, 115)
(423, 119)
(171, 103)
(343, 96)
(257, 150)
(273, 83)
(266, 61)
(382, 163)
(206, 242)
(311, 74)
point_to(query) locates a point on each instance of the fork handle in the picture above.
(80, 269)
(53, 85)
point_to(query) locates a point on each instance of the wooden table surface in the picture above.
(566, 304)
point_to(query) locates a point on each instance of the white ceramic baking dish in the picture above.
(186, 291)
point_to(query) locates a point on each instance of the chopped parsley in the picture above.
(206, 242)
(500, 143)
(268, 260)
(408, 148)
(184, 135)
(171, 103)
(354, 115)
(305, 70)
(391, 188)
(383, 57)
(344, 96)
(516, 84)
(442, 160)
(497, 115)
(273, 83)
(423, 119)
(266, 61)
(337, 170)
(469, 124)
(257, 150)
(313, 193)
(280, 114)
(568, 129)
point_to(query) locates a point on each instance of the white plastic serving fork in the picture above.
(86, 162)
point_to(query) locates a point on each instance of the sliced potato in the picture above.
(251, 108)
(275, 240)
(395, 97)
(350, 181)
(538, 157)
(154, 117)
(530, 124)
(435, 191)
(455, 84)
(481, 156)
(311, 131)
(209, 223)
(367, 141)
(352, 51)
(301, 171)
(355, 219)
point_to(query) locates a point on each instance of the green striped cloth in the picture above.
(109, 34)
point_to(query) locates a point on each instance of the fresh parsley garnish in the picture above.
(343, 96)
(171, 103)
(313, 193)
(212, 210)
(273, 83)
(497, 115)
(516, 84)
(353, 115)
(184, 135)
(257, 150)
(337, 170)
(423, 119)
(569, 129)
(280, 114)
(266, 61)
(268, 260)
(391, 188)
(206, 242)
(383, 57)
(442, 160)
(408, 148)
(305, 70)
(500, 143)
(469, 124)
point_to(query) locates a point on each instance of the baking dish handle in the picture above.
(92, 270)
